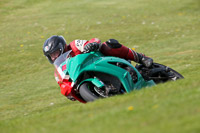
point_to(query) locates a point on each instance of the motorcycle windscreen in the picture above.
(61, 65)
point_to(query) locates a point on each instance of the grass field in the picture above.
(30, 99)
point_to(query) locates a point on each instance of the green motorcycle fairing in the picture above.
(97, 62)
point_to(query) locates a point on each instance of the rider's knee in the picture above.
(112, 43)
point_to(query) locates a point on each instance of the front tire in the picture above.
(87, 92)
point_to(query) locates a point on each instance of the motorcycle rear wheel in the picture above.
(159, 73)
(176, 74)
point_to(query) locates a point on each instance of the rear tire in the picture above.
(87, 92)
(159, 73)
(176, 74)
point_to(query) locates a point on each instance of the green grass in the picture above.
(30, 99)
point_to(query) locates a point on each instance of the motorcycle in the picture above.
(95, 76)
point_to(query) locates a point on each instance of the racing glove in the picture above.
(91, 47)
(144, 60)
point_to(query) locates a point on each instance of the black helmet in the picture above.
(53, 44)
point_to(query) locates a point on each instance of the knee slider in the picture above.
(112, 43)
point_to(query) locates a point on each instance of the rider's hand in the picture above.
(91, 47)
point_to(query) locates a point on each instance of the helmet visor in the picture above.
(55, 55)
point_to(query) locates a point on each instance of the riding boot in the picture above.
(144, 60)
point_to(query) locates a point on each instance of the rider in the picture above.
(56, 45)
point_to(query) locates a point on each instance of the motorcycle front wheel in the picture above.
(87, 92)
